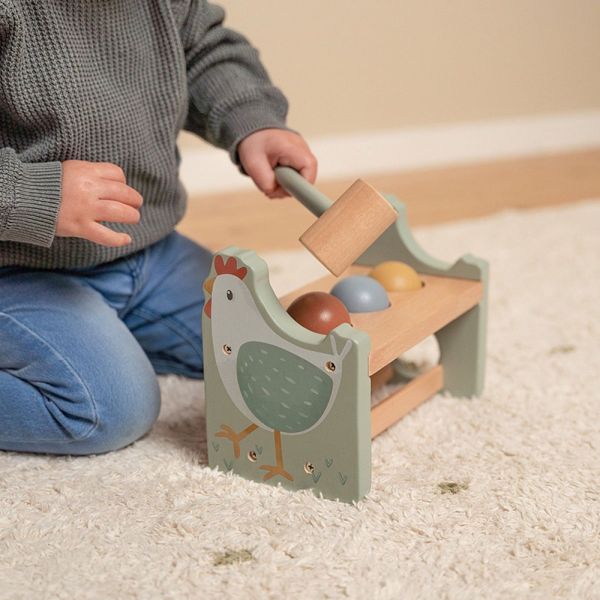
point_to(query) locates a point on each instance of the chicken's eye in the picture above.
(229, 295)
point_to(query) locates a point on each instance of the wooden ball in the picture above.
(318, 311)
(396, 276)
(360, 293)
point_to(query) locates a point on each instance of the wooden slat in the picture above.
(382, 377)
(388, 411)
(323, 284)
(411, 317)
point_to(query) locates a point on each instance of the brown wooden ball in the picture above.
(318, 311)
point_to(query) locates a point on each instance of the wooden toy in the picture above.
(382, 377)
(288, 405)
(396, 276)
(348, 227)
(319, 312)
(360, 294)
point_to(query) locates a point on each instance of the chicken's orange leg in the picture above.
(278, 468)
(236, 438)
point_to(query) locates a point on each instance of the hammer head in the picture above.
(346, 229)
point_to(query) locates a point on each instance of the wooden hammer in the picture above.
(344, 228)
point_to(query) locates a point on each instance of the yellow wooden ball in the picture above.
(396, 276)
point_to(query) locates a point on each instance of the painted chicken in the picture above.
(278, 385)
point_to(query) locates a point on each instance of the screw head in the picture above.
(227, 349)
(252, 456)
(330, 366)
(309, 468)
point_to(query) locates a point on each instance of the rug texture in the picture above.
(490, 497)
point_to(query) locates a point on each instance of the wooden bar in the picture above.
(411, 317)
(398, 404)
(382, 377)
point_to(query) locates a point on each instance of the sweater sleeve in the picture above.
(30, 196)
(230, 93)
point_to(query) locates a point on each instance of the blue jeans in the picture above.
(80, 348)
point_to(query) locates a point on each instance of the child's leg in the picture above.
(165, 315)
(73, 380)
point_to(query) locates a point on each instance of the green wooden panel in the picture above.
(463, 341)
(339, 447)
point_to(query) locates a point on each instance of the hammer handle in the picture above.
(302, 190)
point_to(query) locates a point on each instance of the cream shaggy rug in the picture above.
(492, 497)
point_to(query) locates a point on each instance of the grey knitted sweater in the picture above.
(115, 81)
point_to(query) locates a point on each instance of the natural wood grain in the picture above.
(323, 284)
(249, 220)
(382, 377)
(411, 316)
(348, 227)
(398, 404)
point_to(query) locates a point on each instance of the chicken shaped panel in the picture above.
(283, 404)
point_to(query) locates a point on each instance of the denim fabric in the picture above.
(80, 348)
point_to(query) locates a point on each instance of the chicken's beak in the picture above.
(208, 284)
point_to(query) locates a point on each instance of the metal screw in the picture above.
(227, 349)
(309, 468)
(330, 366)
(252, 456)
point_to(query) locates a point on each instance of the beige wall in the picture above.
(351, 66)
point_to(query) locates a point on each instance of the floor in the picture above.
(492, 497)
(249, 220)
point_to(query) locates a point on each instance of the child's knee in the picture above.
(79, 413)
(89, 390)
(126, 410)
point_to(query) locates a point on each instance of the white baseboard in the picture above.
(208, 170)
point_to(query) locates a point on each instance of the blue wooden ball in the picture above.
(360, 293)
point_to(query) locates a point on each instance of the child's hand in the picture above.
(263, 150)
(93, 192)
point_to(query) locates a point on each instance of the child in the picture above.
(97, 291)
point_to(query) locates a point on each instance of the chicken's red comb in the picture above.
(229, 268)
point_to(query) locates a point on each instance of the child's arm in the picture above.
(263, 150)
(94, 192)
(41, 200)
(29, 199)
(233, 104)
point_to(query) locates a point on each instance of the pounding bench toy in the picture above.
(285, 404)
